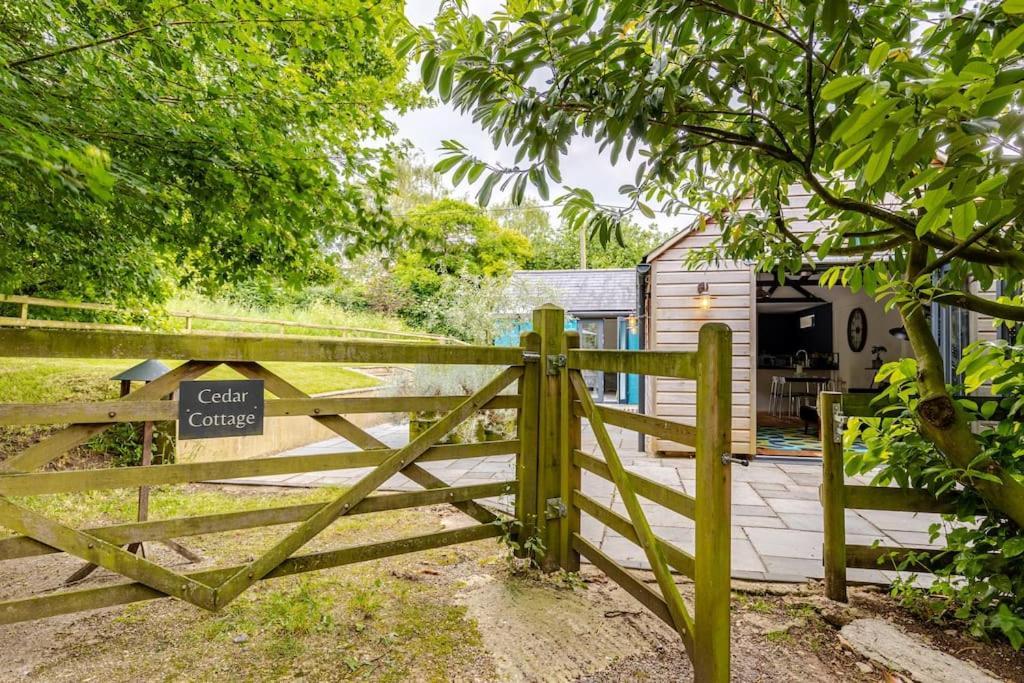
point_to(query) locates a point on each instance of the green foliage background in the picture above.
(148, 144)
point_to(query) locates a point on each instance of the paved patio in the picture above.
(776, 516)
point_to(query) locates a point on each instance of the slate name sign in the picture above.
(211, 409)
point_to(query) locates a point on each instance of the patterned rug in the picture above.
(791, 441)
(788, 440)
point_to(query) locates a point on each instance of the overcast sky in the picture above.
(583, 167)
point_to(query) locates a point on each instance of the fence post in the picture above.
(571, 476)
(549, 322)
(833, 496)
(526, 463)
(712, 576)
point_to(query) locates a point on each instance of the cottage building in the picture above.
(791, 339)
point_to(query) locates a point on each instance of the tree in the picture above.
(559, 249)
(481, 309)
(448, 239)
(902, 118)
(147, 144)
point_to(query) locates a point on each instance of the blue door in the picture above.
(629, 385)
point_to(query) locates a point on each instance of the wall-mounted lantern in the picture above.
(704, 298)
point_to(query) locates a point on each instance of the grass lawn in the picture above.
(37, 380)
(379, 621)
(316, 314)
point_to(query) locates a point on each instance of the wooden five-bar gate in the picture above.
(550, 397)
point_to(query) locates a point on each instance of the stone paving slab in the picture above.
(776, 517)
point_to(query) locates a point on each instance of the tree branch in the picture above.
(977, 235)
(979, 304)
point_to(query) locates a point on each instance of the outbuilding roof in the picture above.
(584, 291)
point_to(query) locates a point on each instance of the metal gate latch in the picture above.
(838, 424)
(728, 459)
(530, 356)
(555, 363)
(555, 509)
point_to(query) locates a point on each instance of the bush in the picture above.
(122, 443)
(983, 584)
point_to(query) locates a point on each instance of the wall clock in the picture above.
(857, 330)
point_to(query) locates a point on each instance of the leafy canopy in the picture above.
(901, 117)
(558, 248)
(144, 144)
(450, 238)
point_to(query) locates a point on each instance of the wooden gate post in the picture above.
(526, 462)
(833, 499)
(712, 576)
(549, 322)
(571, 432)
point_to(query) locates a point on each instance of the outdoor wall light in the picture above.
(704, 299)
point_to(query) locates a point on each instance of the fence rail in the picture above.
(187, 317)
(242, 347)
(837, 496)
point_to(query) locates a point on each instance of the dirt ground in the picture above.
(461, 613)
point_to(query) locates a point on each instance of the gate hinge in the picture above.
(556, 363)
(555, 509)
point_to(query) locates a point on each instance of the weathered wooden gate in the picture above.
(705, 633)
(551, 401)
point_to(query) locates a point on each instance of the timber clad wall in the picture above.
(675, 320)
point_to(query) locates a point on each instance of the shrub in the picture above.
(983, 583)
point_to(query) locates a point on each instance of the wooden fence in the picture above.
(551, 400)
(26, 303)
(837, 496)
(21, 475)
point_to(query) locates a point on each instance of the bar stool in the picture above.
(781, 395)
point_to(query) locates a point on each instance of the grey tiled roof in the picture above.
(584, 291)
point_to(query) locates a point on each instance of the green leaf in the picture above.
(428, 70)
(877, 164)
(1009, 43)
(484, 195)
(444, 86)
(878, 55)
(987, 186)
(1013, 547)
(988, 409)
(964, 217)
(838, 87)
(447, 164)
(850, 155)
(868, 121)
(1013, 6)
(932, 221)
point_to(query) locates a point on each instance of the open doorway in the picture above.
(610, 333)
(812, 339)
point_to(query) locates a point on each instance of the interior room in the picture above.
(811, 339)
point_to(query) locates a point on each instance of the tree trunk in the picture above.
(942, 420)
